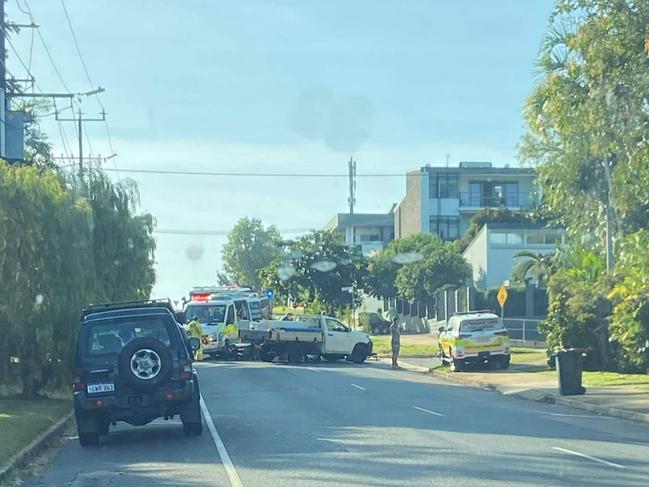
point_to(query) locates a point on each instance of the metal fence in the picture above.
(524, 329)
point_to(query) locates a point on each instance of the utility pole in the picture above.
(352, 184)
(3, 82)
(79, 120)
(352, 192)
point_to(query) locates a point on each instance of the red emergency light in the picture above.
(200, 297)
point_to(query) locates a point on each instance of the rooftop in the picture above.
(470, 167)
(342, 220)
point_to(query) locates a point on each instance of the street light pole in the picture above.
(610, 256)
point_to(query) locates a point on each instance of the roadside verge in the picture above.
(34, 447)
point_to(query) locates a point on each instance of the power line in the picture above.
(92, 85)
(4, 32)
(76, 44)
(219, 232)
(257, 174)
(47, 50)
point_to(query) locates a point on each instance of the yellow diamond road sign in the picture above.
(502, 295)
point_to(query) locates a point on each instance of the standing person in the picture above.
(396, 341)
(196, 330)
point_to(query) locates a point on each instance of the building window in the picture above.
(552, 238)
(506, 238)
(447, 227)
(514, 238)
(370, 238)
(534, 238)
(499, 238)
(443, 186)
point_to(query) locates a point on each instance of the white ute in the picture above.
(318, 336)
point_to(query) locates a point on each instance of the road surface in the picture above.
(342, 424)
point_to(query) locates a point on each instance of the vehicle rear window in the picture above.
(254, 305)
(110, 336)
(481, 325)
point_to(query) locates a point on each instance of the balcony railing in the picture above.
(510, 200)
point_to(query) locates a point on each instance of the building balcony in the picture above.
(470, 201)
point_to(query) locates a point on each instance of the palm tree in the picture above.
(539, 265)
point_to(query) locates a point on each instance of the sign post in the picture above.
(502, 298)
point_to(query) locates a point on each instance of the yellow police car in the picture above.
(476, 337)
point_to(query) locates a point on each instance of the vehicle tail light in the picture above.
(98, 403)
(77, 381)
(502, 333)
(185, 370)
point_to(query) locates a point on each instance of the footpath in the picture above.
(620, 395)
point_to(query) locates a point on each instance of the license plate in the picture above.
(98, 388)
(483, 339)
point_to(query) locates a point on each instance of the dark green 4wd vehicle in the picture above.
(134, 364)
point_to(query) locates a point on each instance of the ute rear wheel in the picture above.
(359, 354)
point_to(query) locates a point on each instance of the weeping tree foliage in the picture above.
(62, 246)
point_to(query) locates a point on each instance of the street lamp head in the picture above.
(96, 91)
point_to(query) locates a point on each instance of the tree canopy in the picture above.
(249, 248)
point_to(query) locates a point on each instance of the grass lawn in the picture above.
(22, 420)
(600, 379)
(411, 345)
(528, 356)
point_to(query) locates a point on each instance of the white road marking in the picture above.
(358, 387)
(314, 369)
(583, 455)
(235, 481)
(428, 411)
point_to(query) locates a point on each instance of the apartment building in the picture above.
(442, 200)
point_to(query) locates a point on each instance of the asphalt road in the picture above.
(341, 424)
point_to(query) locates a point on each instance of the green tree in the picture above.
(588, 116)
(579, 308)
(249, 248)
(440, 265)
(630, 319)
(321, 265)
(58, 248)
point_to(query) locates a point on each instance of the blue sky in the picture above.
(281, 86)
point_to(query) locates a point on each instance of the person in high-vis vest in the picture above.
(196, 331)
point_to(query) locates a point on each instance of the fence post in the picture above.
(524, 323)
(445, 305)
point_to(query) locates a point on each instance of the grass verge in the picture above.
(408, 348)
(22, 420)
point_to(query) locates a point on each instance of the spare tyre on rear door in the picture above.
(145, 363)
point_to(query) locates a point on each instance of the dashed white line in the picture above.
(358, 387)
(235, 481)
(428, 411)
(583, 455)
(314, 369)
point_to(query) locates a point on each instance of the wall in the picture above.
(476, 255)
(502, 258)
(407, 217)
